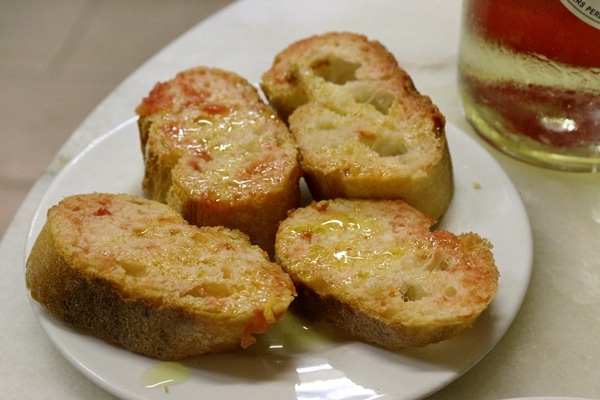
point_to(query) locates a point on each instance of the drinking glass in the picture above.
(529, 76)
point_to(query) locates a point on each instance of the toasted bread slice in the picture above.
(362, 128)
(135, 273)
(216, 153)
(374, 268)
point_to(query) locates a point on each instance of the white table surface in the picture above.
(552, 347)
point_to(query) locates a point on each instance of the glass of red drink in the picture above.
(529, 75)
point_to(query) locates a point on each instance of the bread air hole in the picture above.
(414, 292)
(382, 145)
(134, 269)
(335, 70)
(380, 99)
(211, 289)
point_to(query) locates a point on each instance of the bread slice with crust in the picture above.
(136, 274)
(362, 128)
(216, 153)
(374, 268)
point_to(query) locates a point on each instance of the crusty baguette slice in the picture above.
(215, 152)
(362, 128)
(136, 274)
(374, 268)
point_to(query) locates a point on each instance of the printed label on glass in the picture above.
(586, 10)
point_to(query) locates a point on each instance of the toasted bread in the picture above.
(374, 268)
(136, 274)
(216, 153)
(362, 128)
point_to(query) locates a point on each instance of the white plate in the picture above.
(307, 366)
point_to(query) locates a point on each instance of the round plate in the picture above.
(295, 360)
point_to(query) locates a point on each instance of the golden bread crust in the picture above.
(361, 127)
(374, 268)
(216, 153)
(136, 274)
